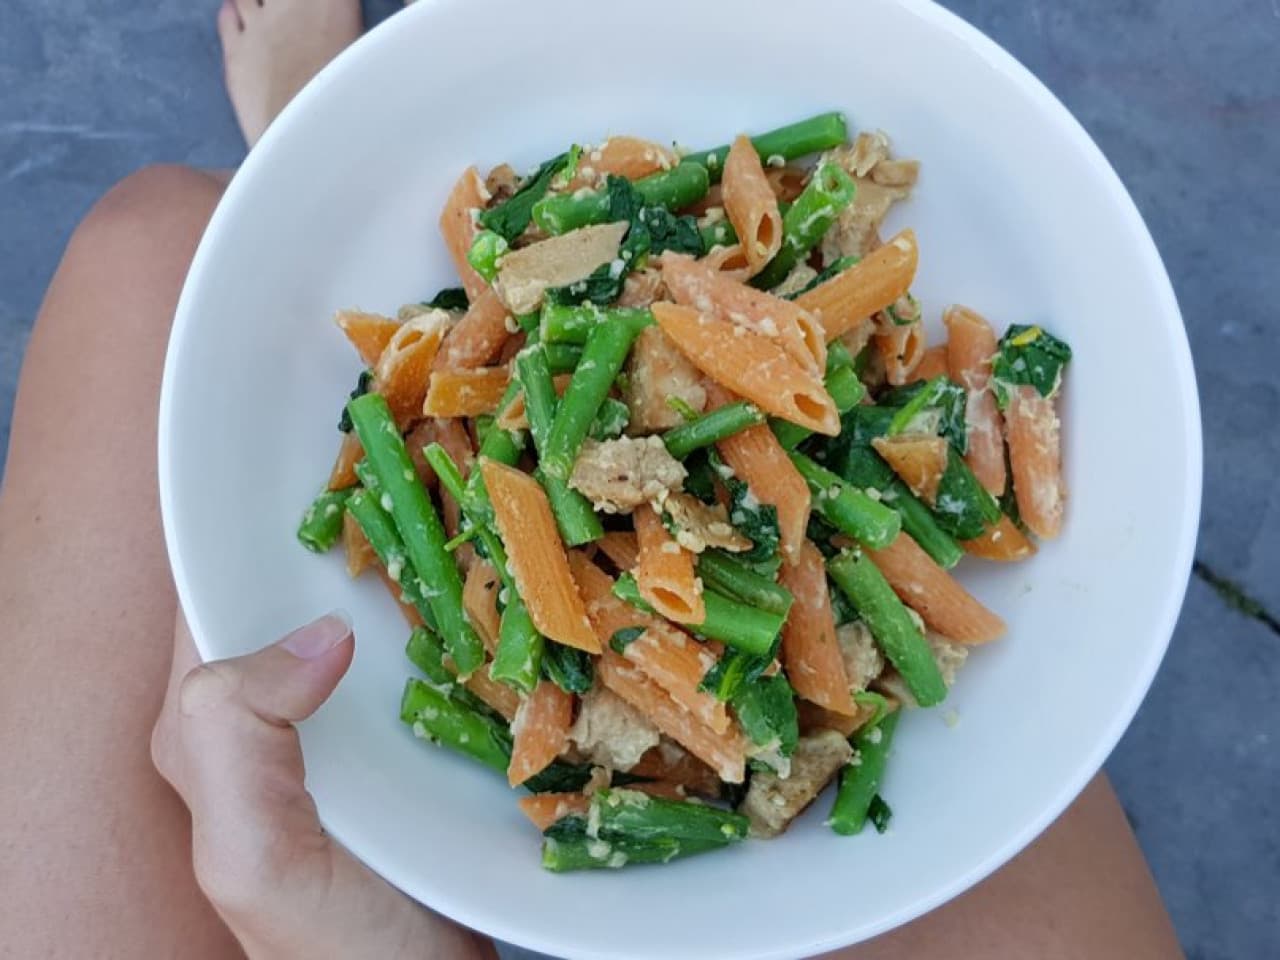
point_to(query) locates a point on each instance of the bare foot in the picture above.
(270, 48)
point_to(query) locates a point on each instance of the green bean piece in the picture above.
(847, 508)
(896, 633)
(567, 846)
(562, 357)
(487, 249)
(963, 507)
(425, 652)
(840, 265)
(859, 782)
(322, 521)
(572, 323)
(610, 420)
(811, 135)
(419, 526)
(603, 355)
(575, 517)
(826, 194)
(711, 427)
(568, 668)
(671, 189)
(380, 530)
(718, 234)
(724, 574)
(922, 400)
(434, 715)
(735, 624)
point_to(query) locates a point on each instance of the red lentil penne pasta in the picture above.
(628, 157)
(1003, 542)
(405, 365)
(810, 652)
(359, 553)
(621, 548)
(730, 261)
(544, 809)
(933, 363)
(901, 349)
(343, 473)
(497, 695)
(919, 460)
(453, 436)
(670, 763)
(480, 601)
(479, 336)
(541, 731)
(410, 614)
(1035, 457)
(787, 183)
(458, 226)
(665, 572)
(750, 205)
(369, 333)
(465, 392)
(872, 284)
(971, 343)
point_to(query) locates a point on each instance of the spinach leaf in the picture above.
(560, 777)
(669, 232)
(622, 638)
(734, 669)
(568, 668)
(450, 298)
(511, 217)
(362, 387)
(837, 266)
(879, 813)
(947, 398)
(766, 709)
(1028, 356)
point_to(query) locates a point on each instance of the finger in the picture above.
(166, 753)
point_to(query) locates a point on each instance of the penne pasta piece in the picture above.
(499, 696)
(480, 601)
(942, 603)
(750, 205)
(901, 349)
(1004, 542)
(453, 436)
(1035, 458)
(465, 392)
(751, 365)
(343, 473)
(405, 365)
(670, 763)
(811, 654)
(920, 460)
(544, 809)
(695, 283)
(787, 183)
(971, 344)
(536, 556)
(479, 336)
(933, 363)
(812, 717)
(724, 752)
(621, 548)
(514, 416)
(628, 157)
(356, 548)
(458, 226)
(369, 333)
(540, 731)
(756, 456)
(665, 572)
(872, 284)
(729, 261)
(414, 442)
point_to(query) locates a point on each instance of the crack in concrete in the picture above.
(1234, 596)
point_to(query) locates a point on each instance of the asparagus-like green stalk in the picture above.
(322, 521)
(826, 194)
(722, 573)
(380, 530)
(675, 188)
(562, 357)
(733, 623)
(718, 234)
(859, 781)
(711, 427)
(487, 249)
(811, 135)
(434, 715)
(894, 630)
(425, 652)
(847, 508)
(571, 323)
(419, 526)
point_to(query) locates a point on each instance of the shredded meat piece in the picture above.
(525, 274)
(610, 732)
(657, 371)
(772, 802)
(801, 276)
(619, 475)
(699, 525)
(863, 661)
(501, 183)
(881, 181)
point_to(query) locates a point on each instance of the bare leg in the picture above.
(95, 846)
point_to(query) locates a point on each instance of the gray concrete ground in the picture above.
(1184, 98)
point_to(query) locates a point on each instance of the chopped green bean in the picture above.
(322, 521)
(860, 781)
(711, 427)
(811, 135)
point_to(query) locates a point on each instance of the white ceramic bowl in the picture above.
(1018, 215)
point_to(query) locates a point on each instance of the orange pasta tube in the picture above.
(756, 456)
(544, 809)
(810, 652)
(729, 261)
(901, 349)
(750, 204)
(356, 548)
(919, 460)
(369, 333)
(537, 557)
(621, 548)
(405, 365)
(480, 601)
(1004, 542)
(787, 182)
(665, 572)
(514, 416)
(497, 695)
(872, 284)
(933, 593)
(458, 226)
(971, 343)
(697, 284)
(465, 392)
(1035, 457)
(933, 363)
(750, 365)
(479, 336)
(628, 157)
(540, 731)
(343, 474)
(669, 763)
(725, 752)
(414, 442)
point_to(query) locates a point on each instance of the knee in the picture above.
(163, 202)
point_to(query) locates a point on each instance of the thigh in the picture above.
(96, 842)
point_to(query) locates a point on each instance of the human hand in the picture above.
(225, 740)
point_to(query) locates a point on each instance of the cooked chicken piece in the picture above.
(525, 274)
(863, 661)
(801, 276)
(641, 289)
(772, 802)
(501, 183)
(610, 732)
(657, 371)
(881, 183)
(700, 525)
(619, 475)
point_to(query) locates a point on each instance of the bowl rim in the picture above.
(1014, 72)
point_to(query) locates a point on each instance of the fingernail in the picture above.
(319, 636)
